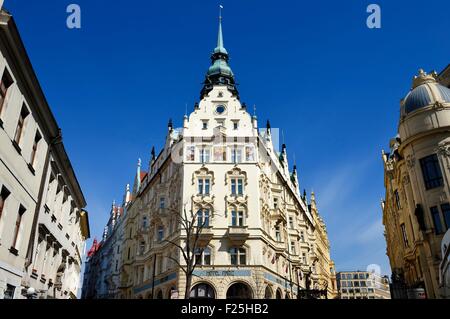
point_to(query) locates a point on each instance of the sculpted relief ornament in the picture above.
(444, 150)
(410, 161)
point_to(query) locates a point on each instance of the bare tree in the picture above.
(189, 223)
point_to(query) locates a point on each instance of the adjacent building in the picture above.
(363, 285)
(104, 259)
(444, 269)
(416, 209)
(43, 224)
(260, 237)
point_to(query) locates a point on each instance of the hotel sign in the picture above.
(223, 273)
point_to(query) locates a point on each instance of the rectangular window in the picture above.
(238, 256)
(205, 124)
(235, 125)
(397, 199)
(162, 202)
(240, 186)
(20, 124)
(37, 139)
(236, 155)
(249, 154)
(200, 186)
(302, 236)
(237, 218)
(291, 222)
(220, 153)
(204, 155)
(160, 233)
(5, 83)
(9, 292)
(293, 248)
(275, 203)
(203, 186)
(203, 218)
(277, 233)
(237, 186)
(438, 229)
(3, 196)
(405, 235)
(17, 226)
(207, 186)
(431, 171)
(445, 208)
(190, 153)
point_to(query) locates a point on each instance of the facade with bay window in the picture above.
(416, 210)
(259, 239)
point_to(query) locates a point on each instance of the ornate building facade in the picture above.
(416, 210)
(104, 259)
(43, 224)
(261, 238)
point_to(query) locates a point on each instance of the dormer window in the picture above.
(235, 125)
(205, 124)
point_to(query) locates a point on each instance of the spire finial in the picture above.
(220, 48)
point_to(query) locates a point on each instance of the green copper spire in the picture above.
(220, 48)
(219, 73)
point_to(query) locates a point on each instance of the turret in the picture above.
(219, 73)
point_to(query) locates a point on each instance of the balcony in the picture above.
(279, 247)
(204, 237)
(278, 215)
(238, 235)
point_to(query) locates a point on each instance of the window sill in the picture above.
(17, 147)
(14, 251)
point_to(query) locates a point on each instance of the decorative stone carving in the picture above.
(410, 161)
(444, 150)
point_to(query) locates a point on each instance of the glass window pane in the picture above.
(446, 213)
(436, 220)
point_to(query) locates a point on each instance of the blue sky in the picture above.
(314, 69)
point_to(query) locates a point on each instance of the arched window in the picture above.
(279, 295)
(202, 291)
(268, 293)
(159, 295)
(238, 256)
(239, 291)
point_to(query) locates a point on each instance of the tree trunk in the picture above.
(188, 286)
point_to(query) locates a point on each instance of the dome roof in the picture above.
(220, 67)
(425, 92)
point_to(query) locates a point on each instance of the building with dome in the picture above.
(261, 237)
(416, 209)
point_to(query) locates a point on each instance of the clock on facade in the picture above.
(220, 109)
